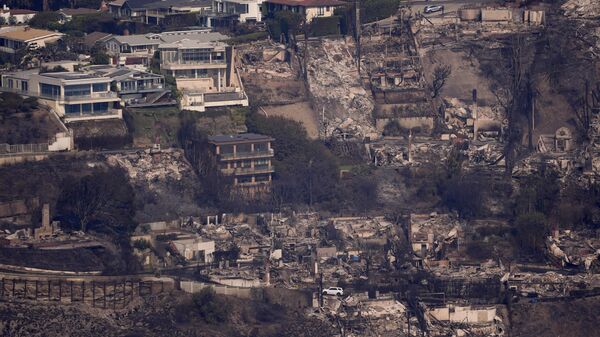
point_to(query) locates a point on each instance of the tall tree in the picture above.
(104, 197)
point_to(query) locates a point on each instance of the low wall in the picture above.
(424, 123)
(290, 298)
(17, 159)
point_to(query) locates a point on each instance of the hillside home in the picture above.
(205, 73)
(138, 50)
(310, 9)
(74, 96)
(26, 37)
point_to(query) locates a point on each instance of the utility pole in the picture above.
(321, 290)
(357, 31)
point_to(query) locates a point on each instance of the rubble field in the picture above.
(165, 183)
(334, 87)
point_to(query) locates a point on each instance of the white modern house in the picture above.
(195, 248)
(74, 96)
(136, 51)
(310, 9)
(244, 10)
(19, 16)
(205, 73)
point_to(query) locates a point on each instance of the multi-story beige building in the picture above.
(205, 74)
(247, 158)
(310, 9)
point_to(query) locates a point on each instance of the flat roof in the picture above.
(135, 40)
(70, 76)
(27, 34)
(193, 44)
(308, 3)
(170, 37)
(239, 138)
(120, 73)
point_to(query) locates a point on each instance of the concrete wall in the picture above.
(424, 123)
(290, 298)
(13, 160)
(463, 314)
(238, 282)
(313, 12)
(63, 142)
(470, 14)
(496, 14)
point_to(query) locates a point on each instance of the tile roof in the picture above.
(27, 34)
(91, 38)
(21, 11)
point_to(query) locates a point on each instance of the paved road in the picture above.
(449, 5)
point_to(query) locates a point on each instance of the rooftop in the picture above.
(193, 44)
(91, 38)
(119, 73)
(69, 75)
(27, 34)
(244, 137)
(78, 11)
(201, 35)
(19, 11)
(160, 4)
(308, 3)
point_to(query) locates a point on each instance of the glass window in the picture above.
(243, 148)
(72, 108)
(226, 149)
(127, 85)
(261, 177)
(86, 108)
(195, 55)
(10, 83)
(77, 90)
(321, 11)
(101, 107)
(24, 86)
(99, 87)
(261, 147)
(50, 90)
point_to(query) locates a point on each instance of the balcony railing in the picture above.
(249, 170)
(109, 94)
(244, 155)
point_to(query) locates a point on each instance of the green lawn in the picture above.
(151, 125)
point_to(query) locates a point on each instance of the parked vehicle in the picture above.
(333, 291)
(433, 9)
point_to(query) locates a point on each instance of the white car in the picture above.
(333, 291)
(433, 9)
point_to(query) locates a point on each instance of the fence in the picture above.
(23, 148)
(101, 293)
